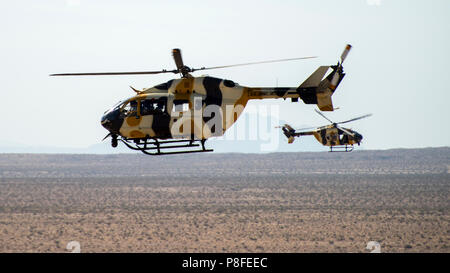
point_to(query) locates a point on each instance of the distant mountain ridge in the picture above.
(215, 165)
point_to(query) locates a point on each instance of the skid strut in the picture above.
(153, 146)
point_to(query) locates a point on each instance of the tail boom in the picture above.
(316, 89)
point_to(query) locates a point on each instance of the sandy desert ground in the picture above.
(284, 202)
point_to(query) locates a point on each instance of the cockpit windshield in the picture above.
(115, 106)
(129, 109)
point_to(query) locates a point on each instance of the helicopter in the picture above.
(338, 138)
(183, 113)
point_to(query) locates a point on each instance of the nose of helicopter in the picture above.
(106, 123)
(111, 121)
(358, 137)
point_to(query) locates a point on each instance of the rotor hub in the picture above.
(185, 70)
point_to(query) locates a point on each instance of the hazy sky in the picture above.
(398, 69)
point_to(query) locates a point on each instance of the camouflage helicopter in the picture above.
(183, 113)
(333, 135)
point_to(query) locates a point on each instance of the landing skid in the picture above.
(341, 149)
(155, 147)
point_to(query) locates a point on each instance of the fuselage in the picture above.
(194, 107)
(332, 136)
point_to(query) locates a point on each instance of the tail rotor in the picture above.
(288, 131)
(339, 71)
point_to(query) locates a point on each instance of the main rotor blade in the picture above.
(345, 130)
(115, 73)
(306, 129)
(353, 119)
(262, 62)
(296, 130)
(318, 112)
(176, 53)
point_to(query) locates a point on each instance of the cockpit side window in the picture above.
(161, 106)
(153, 106)
(147, 107)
